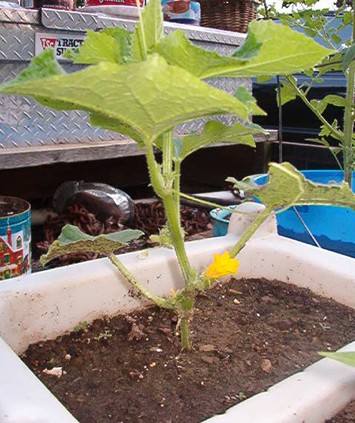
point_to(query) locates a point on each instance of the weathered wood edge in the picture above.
(14, 158)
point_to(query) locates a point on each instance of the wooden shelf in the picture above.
(23, 157)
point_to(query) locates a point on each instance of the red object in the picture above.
(113, 3)
(58, 4)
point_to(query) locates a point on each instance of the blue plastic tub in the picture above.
(332, 227)
(220, 221)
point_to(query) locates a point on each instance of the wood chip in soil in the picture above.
(248, 335)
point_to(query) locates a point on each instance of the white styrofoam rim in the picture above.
(46, 304)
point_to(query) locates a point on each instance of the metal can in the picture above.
(59, 4)
(182, 11)
(131, 3)
(30, 4)
(15, 237)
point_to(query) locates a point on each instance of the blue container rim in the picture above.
(311, 172)
(221, 215)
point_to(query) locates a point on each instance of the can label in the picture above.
(113, 3)
(15, 237)
(183, 11)
(58, 4)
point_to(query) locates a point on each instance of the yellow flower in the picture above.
(222, 265)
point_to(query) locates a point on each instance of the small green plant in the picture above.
(82, 326)
(316, 23)
(103, 335)
(143, 84)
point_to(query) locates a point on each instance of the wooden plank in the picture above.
(23, 157)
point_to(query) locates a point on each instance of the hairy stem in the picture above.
(161, 187)
(185, 334)
(205, 202)
(167, 138)
(140, 33)
(176, 234)
(348, 118)
(247, 234)
(177, 179)
(159, 301)
(156, 178)
(338, 135)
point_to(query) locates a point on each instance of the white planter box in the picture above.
(44, 305)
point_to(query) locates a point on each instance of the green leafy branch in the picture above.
(316, 23)
(143, 84)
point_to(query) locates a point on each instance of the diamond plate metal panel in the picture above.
(24, 123)
(20, 16)
(209, 35)
(79, 21)
(109, 21)
(16, 42)
(69, 21)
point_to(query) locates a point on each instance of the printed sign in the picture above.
(60, 43)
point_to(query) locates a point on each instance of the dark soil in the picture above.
(247, 334)
(345, 416)
(10, 206)
(149, 217)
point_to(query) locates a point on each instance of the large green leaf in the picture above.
(249, 49)
(148, 31)
(114, 125)
(73, 240)
(215, 132)
(150, 97)
(269, 49)
(331, 63)
(284, 187)
(110, 45)
(344, 357)
(283, 51)
(288, 92)
(43, 66)
(243, 95)
(287, 187)
(178, 50)
(334, 100)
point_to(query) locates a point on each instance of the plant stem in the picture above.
(140, 33)
(167, 138)
(156, 178)
(348, 158)
(177, 239)
(177, 179)
(247, 234)
(185, 333)
(159, 301)
(338, 135)
(348, 127)
(161, 184)
(205, 202)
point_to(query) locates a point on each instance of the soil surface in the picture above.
(149, 217)
(345, 416)
(248, 334)
(10, 206)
